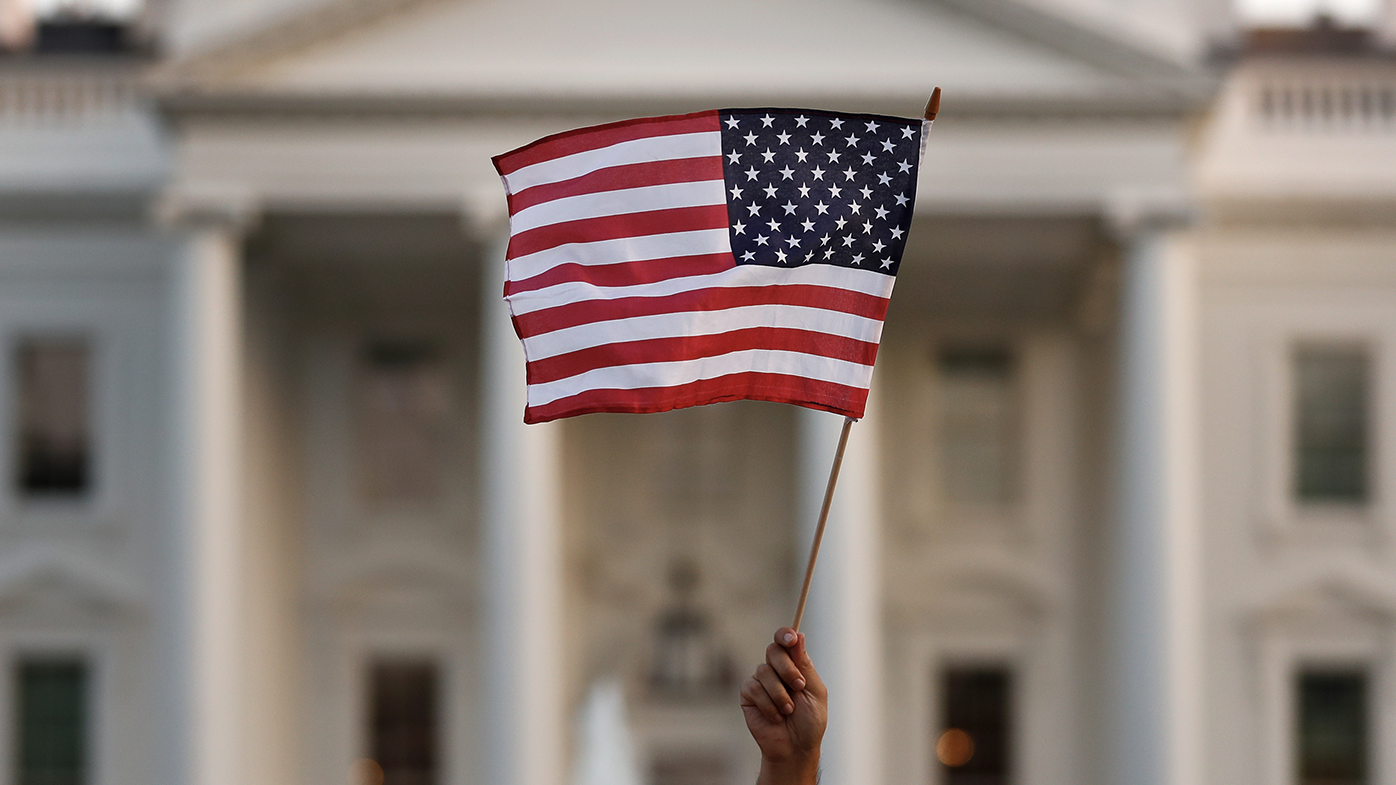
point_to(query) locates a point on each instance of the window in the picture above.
(405, 406)
(403, 732)
(54, 417)
(978, 427)
(1332, 732)
(52, 726)
(974, 742)
(1331, 424)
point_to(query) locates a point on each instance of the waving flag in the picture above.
(667, 262)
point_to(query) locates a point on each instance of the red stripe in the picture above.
(709, 299)
(625, 273)
(612, 227)
(597, 136)
(780, 388)
(616, 178)
(695, 347)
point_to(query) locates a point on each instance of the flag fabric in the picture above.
(667, 262)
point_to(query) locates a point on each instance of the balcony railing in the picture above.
(1326, 102)
(67, 94)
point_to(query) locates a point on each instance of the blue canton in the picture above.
(808, 187)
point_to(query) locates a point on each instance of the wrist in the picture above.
(797, 769)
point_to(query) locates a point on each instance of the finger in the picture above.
(786, 636)
(800, 655)
(777, 657)
(753, 694)
(775, 688)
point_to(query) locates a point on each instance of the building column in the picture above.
(523, 559)
(1154, 718)
(205, 558)
(843, 618)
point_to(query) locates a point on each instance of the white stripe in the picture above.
(635, 151)
(669, 374)
(624, 249)
(621, 202)
(674, 325)
(847, 278)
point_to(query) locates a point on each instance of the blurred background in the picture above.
(1121, 512)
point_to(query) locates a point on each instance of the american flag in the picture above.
(668, 262)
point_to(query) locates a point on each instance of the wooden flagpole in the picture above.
(932, 109)
(823, 518)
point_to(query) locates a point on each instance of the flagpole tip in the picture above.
(933, 105)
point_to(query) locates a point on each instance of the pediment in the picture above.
(56, 578)
(1328, 596)
(854, 52)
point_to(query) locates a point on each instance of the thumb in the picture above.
(800, 656)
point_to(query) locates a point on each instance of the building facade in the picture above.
(1117, 514)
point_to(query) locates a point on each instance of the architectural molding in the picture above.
(1333, 591)
(37, 576)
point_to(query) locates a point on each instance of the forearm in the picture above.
(803, 770)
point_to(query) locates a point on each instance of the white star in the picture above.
(872, 127)
(731, 122)
(789, 208)
(748, 256)
(787, 173)
(751, 173)
(847, 240)
(804, 191)
(833, 156)
(739, 228)
(857, 258)
(734, 157)
(807, 225)
(868, 158)
(750, 138)
(768, 156)
(878, 246)
(886, 264)
(834, 191)
(822, 208)
(888, 146)
(766, 121)
(809, 256)
(897, 233)
(840, 224)
(881, 213)
(800, 121)
(818, 173)
(783, 137)
(770, 191)
(852, 140)
(793, 241)
(775, 227)
(854, 207)
(824, 240)
(828, 252)
(849, 173)
(801, 155)
(762, 240)
(907, 133)
(901, 200)
(818, 138)
(867, 228)
(884, 179)
(780, 256)
(836, 123)
(736, 192)
(865, 191)
(753, 209)
(904, 166)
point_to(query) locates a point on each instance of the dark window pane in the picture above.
(1331, 424)
(974, 742)
(52, 722)
(404, 732)
(979, 429)
(405, 415)
(1332, 728)
(54, 425)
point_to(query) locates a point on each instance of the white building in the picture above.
(1121, 509)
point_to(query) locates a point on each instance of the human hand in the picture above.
(786, 708)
